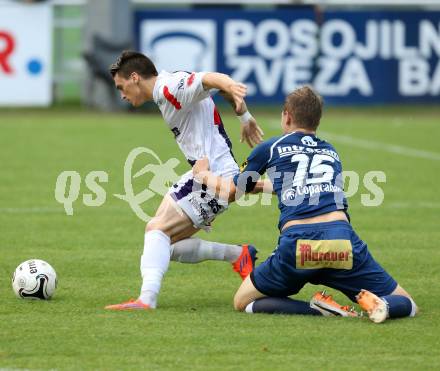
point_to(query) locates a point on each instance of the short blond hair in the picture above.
(305, 107)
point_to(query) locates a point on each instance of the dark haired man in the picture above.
(187, 107)
(317, 243)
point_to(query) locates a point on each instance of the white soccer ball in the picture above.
(34, 279)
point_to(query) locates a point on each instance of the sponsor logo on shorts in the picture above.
(198, 208)
(315, 254)
(215, 207)
(176, 132)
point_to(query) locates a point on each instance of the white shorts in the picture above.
(196, 201)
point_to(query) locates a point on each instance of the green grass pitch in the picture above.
(96, 252)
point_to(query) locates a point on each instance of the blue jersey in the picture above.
(305, 171)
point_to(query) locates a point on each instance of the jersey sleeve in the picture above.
(252, 169)
(183, 90)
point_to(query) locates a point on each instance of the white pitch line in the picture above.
(30, 210)
(52, 210)
(375, 145)
(398, 205)
(416, 205)
(386, 147)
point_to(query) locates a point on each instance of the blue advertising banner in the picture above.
(350, 57)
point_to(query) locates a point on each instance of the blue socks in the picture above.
(281, 306)
(399, 306)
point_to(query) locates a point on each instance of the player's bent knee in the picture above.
(246, 294)
(155, 224)
(399, 290)
(151, 226)
(239, 303)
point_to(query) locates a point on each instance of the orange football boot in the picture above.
(245, 263)
(376, 308)
(129, 305)
(328, 307)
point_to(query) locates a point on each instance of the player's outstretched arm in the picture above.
(263, 186)
(224, 188)
(234, 92)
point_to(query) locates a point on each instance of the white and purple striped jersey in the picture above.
(191, 115)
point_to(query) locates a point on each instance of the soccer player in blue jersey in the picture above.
(317, 244)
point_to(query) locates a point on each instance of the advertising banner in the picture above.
(350, 57)
(25, 54)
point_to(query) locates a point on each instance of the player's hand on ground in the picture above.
(201, 166)
(238, 91)
(251, 133)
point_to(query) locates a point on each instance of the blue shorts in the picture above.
(329, 254)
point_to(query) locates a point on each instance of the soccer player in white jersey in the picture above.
(185, 102)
